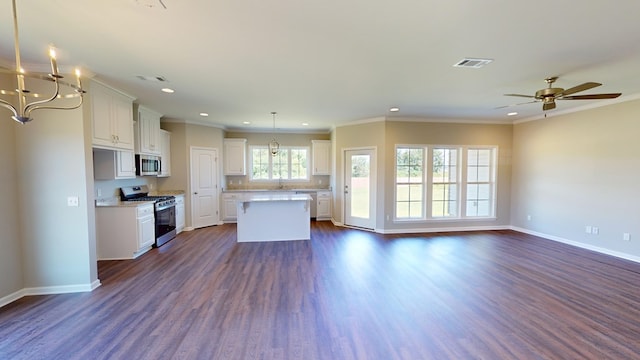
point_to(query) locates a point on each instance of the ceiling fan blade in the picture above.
(591, 97)
(506, 106)
(581, 87)
(548, 105)
(520, 95)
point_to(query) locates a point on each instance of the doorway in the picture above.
(204, 187)
(360, 188)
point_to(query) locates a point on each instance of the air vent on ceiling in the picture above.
(151, 3)
(472, 63)
(152, 78)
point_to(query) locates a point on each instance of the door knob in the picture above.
(195, 193)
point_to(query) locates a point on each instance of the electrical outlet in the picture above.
(626, 237)
(595, 230)
(73, 201)
(588, 229)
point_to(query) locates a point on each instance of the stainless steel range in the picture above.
(165, 211)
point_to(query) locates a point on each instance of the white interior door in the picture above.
(204, 187)
(360, 188)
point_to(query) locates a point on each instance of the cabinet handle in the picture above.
(195, 193)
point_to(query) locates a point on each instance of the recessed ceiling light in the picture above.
(168, 91)
(394, 109)
(204, 114)
(246, 122)
(305, 124)
(514, 113)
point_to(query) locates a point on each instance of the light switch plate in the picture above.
(73, 201)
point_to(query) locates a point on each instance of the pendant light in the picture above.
(22, 113)
(274, 146)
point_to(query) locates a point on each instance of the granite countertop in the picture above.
(253, 197)
(166, 192)
(115, 202)
(275, 190)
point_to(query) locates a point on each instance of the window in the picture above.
(409, 183)
(459, 183)
(444, 194)
(290, 163)
(480, 182)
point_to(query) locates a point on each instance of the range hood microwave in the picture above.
(147, 165)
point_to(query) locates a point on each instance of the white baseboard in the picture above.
(579, 244)
(12, 297)
(49, 290)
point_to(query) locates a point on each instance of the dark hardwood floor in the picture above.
(346, 294)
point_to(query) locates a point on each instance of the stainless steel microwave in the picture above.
(147, 165)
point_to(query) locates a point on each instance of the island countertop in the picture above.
(273, 217)
(257, 197)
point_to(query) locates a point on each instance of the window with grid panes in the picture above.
(410, 183)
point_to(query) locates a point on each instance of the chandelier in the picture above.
(273, 144)
(22, 113)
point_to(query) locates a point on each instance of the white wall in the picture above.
(578, 170)
(47, 246)
(11, 274)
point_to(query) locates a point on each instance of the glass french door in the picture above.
(360, 188)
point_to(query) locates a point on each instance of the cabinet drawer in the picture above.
(145, 210)
(324, 194)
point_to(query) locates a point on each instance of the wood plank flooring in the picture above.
(346, 294)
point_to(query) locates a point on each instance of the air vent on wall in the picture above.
(474, 63)
(152, 78)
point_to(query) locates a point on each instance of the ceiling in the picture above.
(329, 63)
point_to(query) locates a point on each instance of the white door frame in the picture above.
(192, 185)
(373, 186)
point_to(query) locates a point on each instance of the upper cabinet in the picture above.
(147, 132)
(235, 156)
(112, 118)
(321, 152)
(113, 165)
(165, 153)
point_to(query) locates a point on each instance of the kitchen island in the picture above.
(274, 217)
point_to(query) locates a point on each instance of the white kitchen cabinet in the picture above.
(112, 118)
(323, 208)
(235, 156)
(229, 208)
(321, 157)
(180, 217)
(146, 227)
(113, 165)
(147, 131)
(124, 232)
(165, 153)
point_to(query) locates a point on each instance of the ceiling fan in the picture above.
(550, 94)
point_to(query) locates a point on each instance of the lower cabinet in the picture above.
(229, 208)
(180, 217)
(124, 232)
(323, 209)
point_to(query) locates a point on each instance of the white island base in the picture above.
(274, 217)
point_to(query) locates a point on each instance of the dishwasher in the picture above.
(314, 202)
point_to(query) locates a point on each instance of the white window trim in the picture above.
(270, 165)
(424, 183)
(462, 184)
